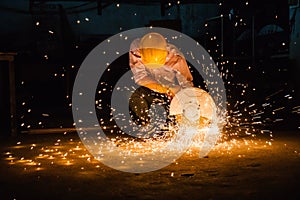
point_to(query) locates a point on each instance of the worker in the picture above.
(160, 70)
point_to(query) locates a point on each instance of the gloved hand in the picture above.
(172, 91)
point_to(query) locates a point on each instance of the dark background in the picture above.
(253, 42)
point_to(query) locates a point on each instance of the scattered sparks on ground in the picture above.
(244, 119)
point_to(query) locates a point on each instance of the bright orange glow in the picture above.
(153, 49)
(154, 56)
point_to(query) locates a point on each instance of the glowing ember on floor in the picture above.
(69, 151)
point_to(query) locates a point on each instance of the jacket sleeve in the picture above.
(177, 61)
(183, 74)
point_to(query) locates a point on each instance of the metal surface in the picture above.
(193, 103)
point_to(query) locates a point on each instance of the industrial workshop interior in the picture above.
(162, 99)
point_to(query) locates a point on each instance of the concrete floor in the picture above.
(57, 166)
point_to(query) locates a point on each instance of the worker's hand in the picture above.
(172, 91)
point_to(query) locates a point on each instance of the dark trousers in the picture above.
(140, 103)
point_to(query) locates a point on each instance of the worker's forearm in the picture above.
(157, 87)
